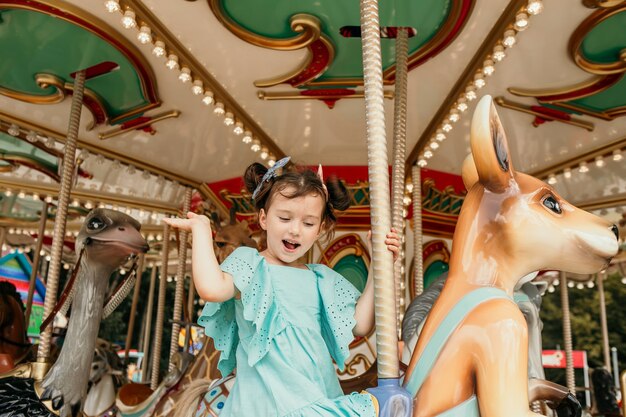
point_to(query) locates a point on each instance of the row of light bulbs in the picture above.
(144, 215)
(508, 40)
(30, 135)
(160, 50)
(583, 167)
(83, 154)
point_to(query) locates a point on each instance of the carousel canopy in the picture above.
(188, 93)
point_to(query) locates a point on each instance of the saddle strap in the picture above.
(449, 324)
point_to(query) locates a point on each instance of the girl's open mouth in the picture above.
(290, 245)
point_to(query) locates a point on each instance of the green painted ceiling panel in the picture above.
(605, 41)
(32, 42)
(270, 18)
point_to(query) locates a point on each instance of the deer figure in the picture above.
(471, 358)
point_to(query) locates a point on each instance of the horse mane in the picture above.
(420, 307)
(6, 312)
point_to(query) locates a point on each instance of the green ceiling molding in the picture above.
(598, 46)
(269, 23)
(52, 39)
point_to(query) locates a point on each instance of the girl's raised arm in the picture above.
(364, 313)
(211, 282)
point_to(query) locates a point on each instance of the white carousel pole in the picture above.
(382, 260)
(399, 156)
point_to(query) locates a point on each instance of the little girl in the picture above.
(281, 322)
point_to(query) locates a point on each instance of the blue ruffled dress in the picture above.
(282, 335)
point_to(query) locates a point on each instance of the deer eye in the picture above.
(553, 205)
(95, 224)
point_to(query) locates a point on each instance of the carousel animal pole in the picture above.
(393, 400)
(104, 243)
(471, 358)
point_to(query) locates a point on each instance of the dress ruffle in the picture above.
(251, 277)
(339, 299)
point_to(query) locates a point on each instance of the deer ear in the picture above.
(489, 147)
(468, 172)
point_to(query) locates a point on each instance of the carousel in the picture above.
(488, 133)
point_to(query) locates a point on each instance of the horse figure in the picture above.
(14, 345)
(471, 358)
(105, 377)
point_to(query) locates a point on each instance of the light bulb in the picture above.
(454, 116)
(238, 129)
(567, 173)
(583, 168)
(599, 161)
(145, 35)
(247, 137)
(185, 75)
(509, 38)
(534, 7)
(271, 160)
(498, 53)
(440, 136)
(112, 6)
(521, 21)
(461, 105)
(159, 49)
(14, 130)
(488, 67)
(479, 81)
(229, 119)
(434, 145)
(172, 62)
(208, 99)
(219, 109)
(264, 153)
(552, 179)
(128, 20)
(422, 162)
(470, 93)
(617, 155)
(446, 126)
(428, 154)
(197, 87)
(256, 145)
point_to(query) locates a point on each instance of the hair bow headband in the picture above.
(271, 173)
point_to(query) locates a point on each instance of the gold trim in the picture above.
(43, 81)
(539, 93)
(121, 44)
(99, 150)
(107, 198)
(297, 71)
(505, 19)
(25, 160)
(308, 27)
(156, 118)
(502, 102)
(583, 30)
(605, 150)
(594, 4)
(288, 95)
(142, 13)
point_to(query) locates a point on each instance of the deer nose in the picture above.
(615, 231)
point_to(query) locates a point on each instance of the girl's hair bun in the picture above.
(253, 175)
(338, 195)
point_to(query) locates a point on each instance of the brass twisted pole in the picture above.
(382, 261)
(133, 310)
(146, 336)
(180, 281)
(158, 326)
(567, 335)
(58, 236)
(603, 323)
(399, 156)
(418, 261)
(36, 259)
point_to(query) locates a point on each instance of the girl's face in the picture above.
(292, 226)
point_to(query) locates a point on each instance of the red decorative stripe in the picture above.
(551, 113)
(319, 62)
